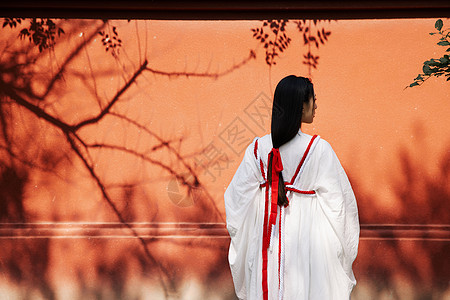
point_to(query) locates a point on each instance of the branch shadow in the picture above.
(422, 198)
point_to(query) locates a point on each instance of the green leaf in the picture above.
(448, 50)
(444, 60)
(438, 25)
(414, 84)
(433, 63)
(426, 70)
(444, 43)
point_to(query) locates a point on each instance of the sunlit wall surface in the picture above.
(119, 138)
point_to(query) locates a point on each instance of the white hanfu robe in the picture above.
(319, 231)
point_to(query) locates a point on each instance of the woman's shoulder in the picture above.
(264, 141)
(319, 144)
(318, 140)
(324, 144)
(324, 150)
(260, 144)
(257, 145)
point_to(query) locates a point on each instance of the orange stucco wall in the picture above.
(61, 239)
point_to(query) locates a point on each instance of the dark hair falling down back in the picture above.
(290, 94)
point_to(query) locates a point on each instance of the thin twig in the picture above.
(183, 179)
(162, 271)
(39, 112)
(74, 54)
(113, 101)
(147, 159)
(162, 142)
(251, 56)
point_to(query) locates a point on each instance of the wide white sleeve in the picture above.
(338, 201)
(243, 218)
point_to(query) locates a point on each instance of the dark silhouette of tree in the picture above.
(408, 239)
(436, 66)
(27, 95)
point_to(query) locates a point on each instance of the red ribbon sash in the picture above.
(270, 221)
(277, 167)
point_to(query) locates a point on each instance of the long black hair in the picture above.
(290, 94)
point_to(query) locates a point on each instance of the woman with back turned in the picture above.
(291, 212)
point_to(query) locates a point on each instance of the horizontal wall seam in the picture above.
(173, 230)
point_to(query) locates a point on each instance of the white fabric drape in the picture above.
(321, 231)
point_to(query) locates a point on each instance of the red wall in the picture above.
(129, 204)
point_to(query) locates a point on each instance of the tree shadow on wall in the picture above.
(12, 184)
(408, 249)
(24, 261)
(424, 197)
(40, 130)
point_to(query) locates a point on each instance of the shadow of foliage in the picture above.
(27, 264)
(422, 199)
(12, 184)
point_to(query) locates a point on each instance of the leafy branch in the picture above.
(273, 35)
(111, 41)
(41, 31)
(12, 22)
(436, 67)
(274, 38)
(316, 38)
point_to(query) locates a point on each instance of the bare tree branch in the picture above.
(183, 179)
(162, 142)
(163, 272)
(4, 125)
(36, 110)
(23, 95)
(113, 101)
(158, 163)
(28, 163)
(74, 54)
(251, 56)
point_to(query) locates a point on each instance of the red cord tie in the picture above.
(277, 164)
(277, 167)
